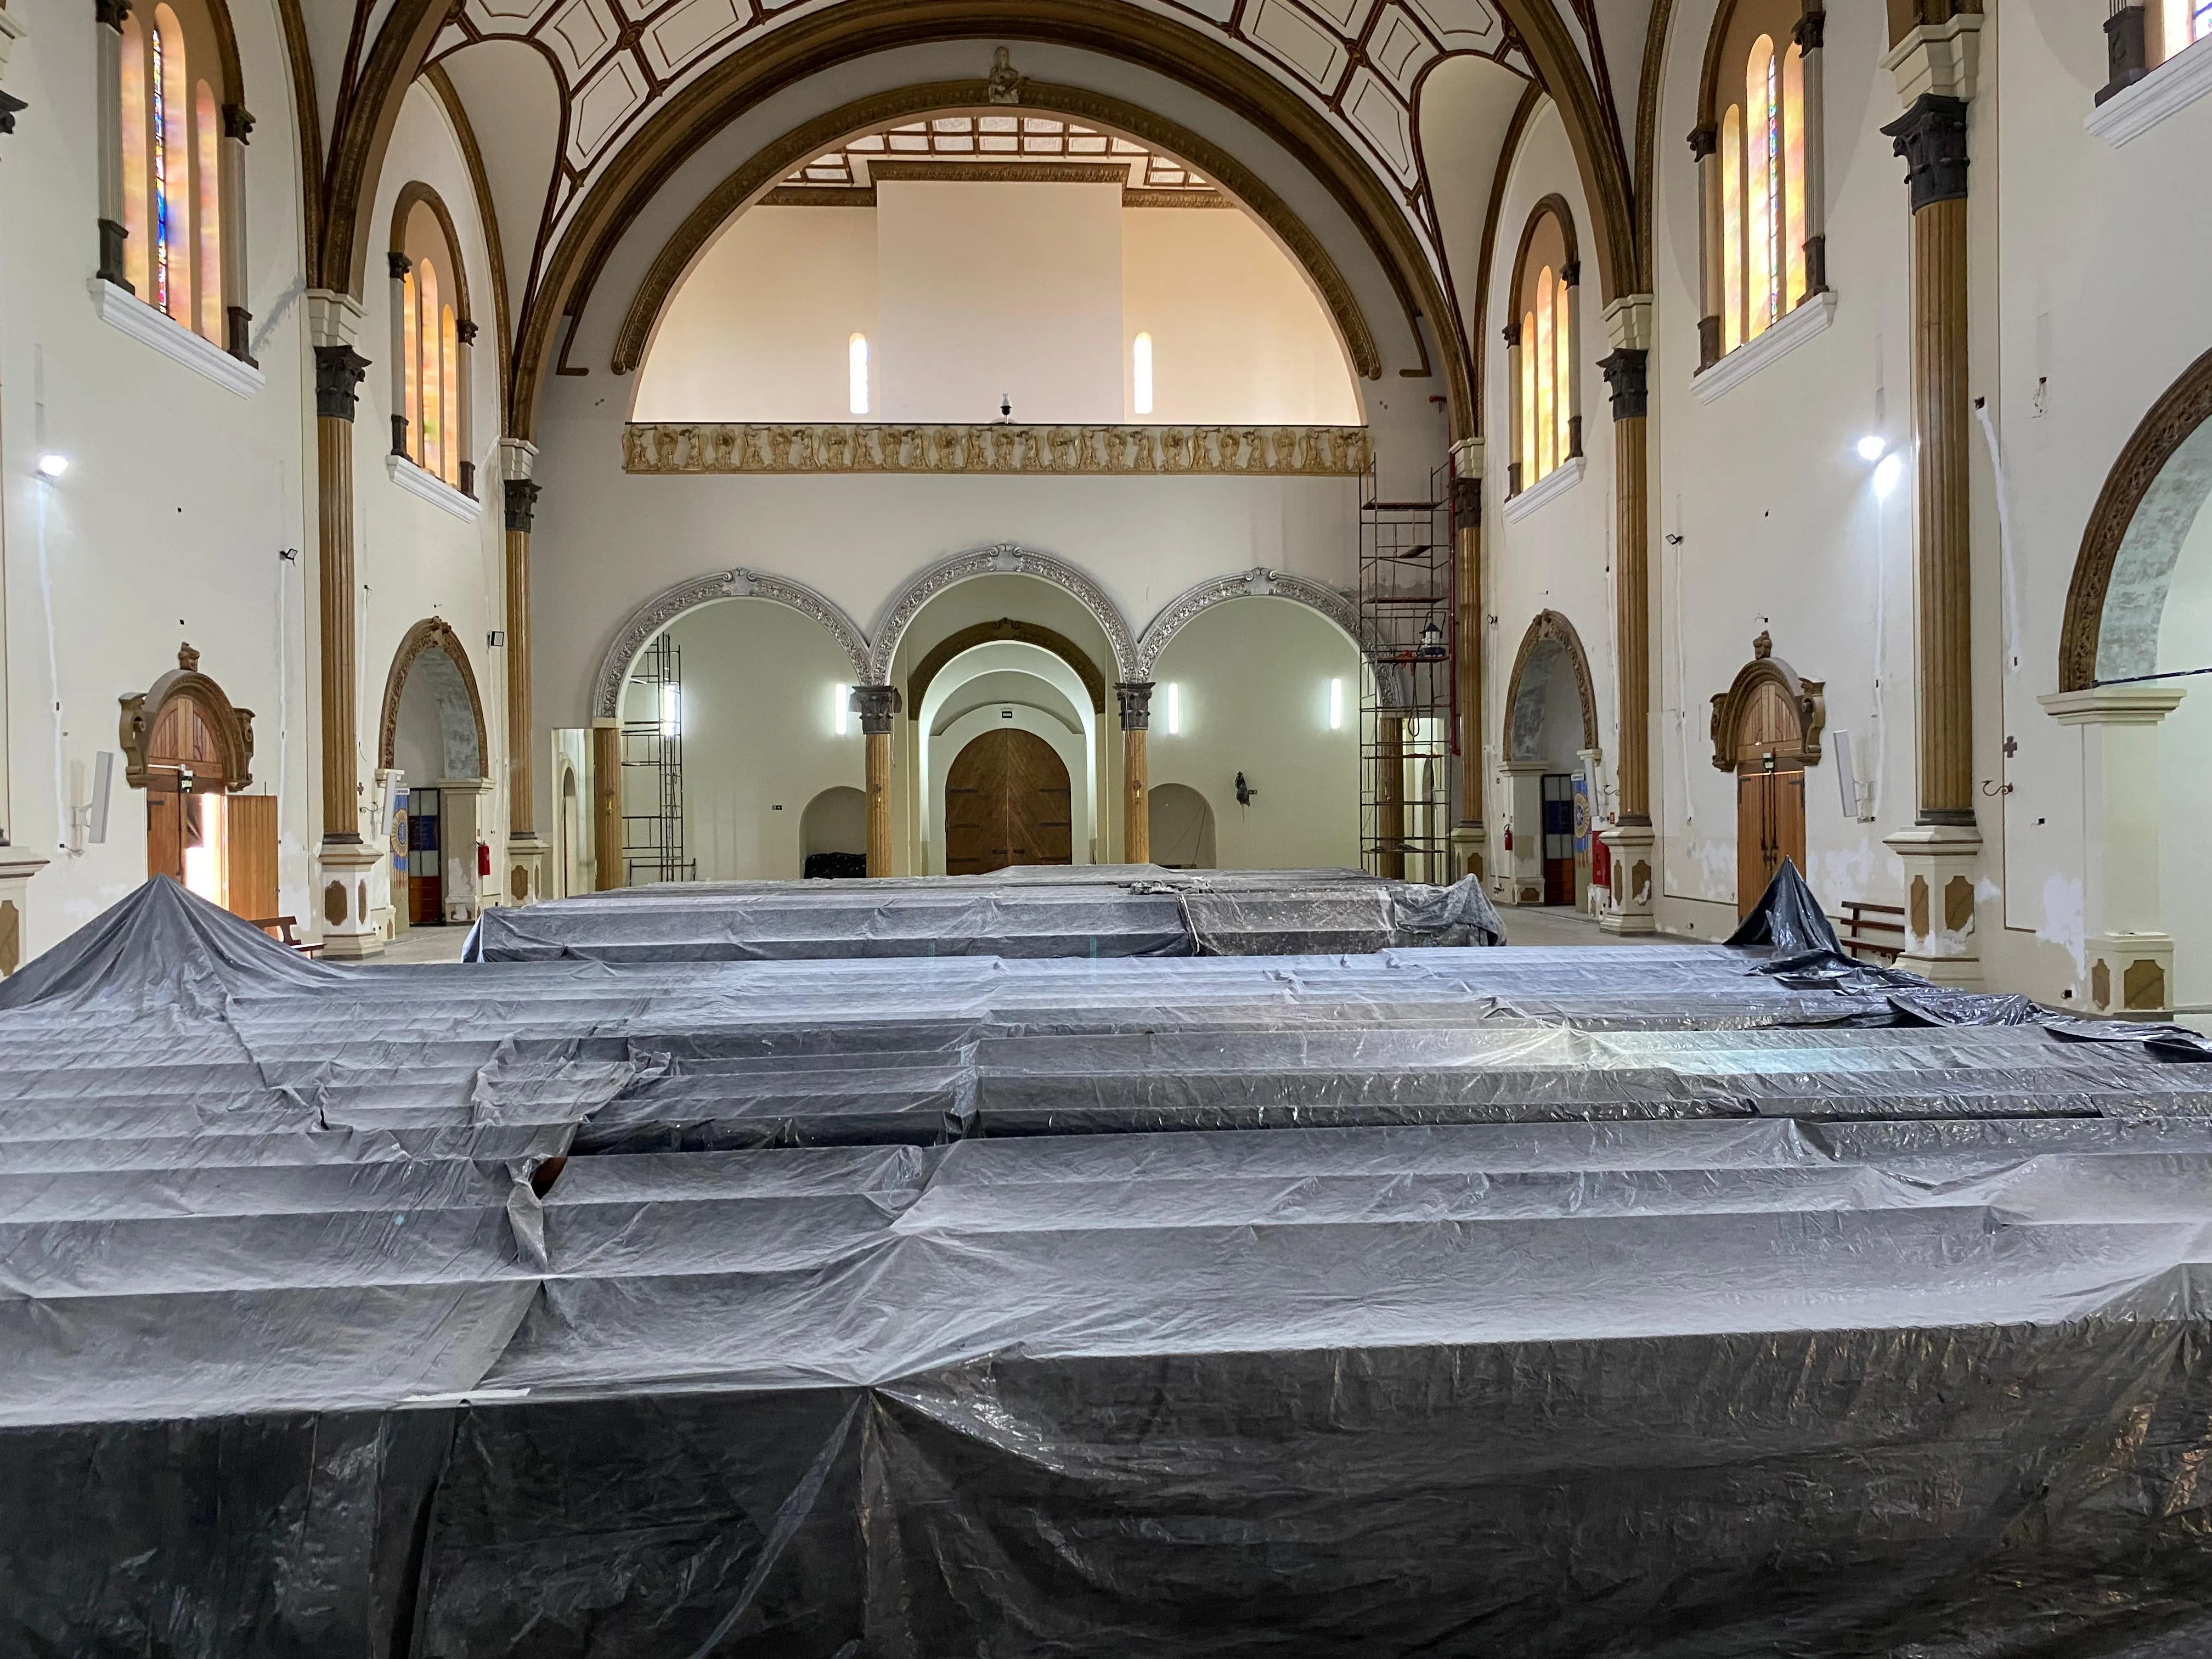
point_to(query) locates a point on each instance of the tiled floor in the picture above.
(1564, 924)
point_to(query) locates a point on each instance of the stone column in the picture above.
(1811, 35)
(344, 907)
(1135, 699)
(607, 873)
(237, 320)
(525, 853)
(877, 706)
(1516, 439)
(107, 36)
(1934, 65)
(1705, 150)
(2127, 965)
(1631, 838)
(1469, 842)
(1390, 795)
(1520, 869)
(398, 266)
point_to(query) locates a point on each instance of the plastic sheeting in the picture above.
(1436, 1301)
(1091, 910)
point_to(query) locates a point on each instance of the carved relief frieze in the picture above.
(1338, 451)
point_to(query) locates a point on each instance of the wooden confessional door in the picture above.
(1007, 801)
(1770, 826)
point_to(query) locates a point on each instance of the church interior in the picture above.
(1042, 828)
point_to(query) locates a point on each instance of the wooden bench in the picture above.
(280, 929)
(1862, 919)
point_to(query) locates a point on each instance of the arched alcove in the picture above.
(1551, 665)
(1181, 827)
(833, 833)
(430, 672)
(1549, 774)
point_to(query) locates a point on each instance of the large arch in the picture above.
(433, 647)
(1003, 559)
(1004, 629)
(767, 166)
(1260, 583)
(1550, 637)
(2152, 496)
(638, 629)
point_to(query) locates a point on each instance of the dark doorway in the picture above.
(1006, 802)
(1558, 838)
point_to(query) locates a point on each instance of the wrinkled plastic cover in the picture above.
(1090, 910)
(1435, 1301)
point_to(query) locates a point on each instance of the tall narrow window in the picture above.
(1732, 229)
(1761, 236)
(430, 340)
(1793, 175)
(1764, 232)
(856, 376)
(429, 454)
(449, 397)
(410, 361)
(138, 156)
(1544, 302)
(1140, 374)
(1528, 456)
(163, 43)
(207, 148)
(1562, 368)
(1547, 453)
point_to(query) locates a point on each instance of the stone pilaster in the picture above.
(526, 854)
(2127, 962)
(1134, 698)
(1628, 326)
(107, 53)
(237, 320)
(877, 706)
(1469, 848)
(345, 903)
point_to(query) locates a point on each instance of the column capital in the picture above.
(398, 264)
(521, 503)
(338, 372)
(877, 706)
(237, 122)
(1938, 59)
(1466, 457)
(1628, 323)
(333, 318)
(1704, 142)
(1811, 29)
(1134, 698)
(1625, 372)
(111, 12)
(2112, 705)
(1931, 136)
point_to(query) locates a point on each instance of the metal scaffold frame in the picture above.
(1408, 622)
(653, 742)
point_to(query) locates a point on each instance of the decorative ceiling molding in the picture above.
(640, 627)
(782, 447)
(775, 162)
(1003, 559)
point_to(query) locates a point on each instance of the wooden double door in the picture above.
(1007, 801)
(1770, 827)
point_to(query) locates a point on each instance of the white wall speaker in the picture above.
(103, 786)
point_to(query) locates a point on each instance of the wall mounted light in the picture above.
(1336, 705)
(671, 712)
(1174, 709)
(841, 709)
(1140, 374)
(52, 466)
(1871, 448)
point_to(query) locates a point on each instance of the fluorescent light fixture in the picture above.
(1174, 709)
(1886, 475)
(856, 374)
(1141, 368)
(52, 466)
(840, 710)
(671, 712)
(1336, 705)
(1872, 448)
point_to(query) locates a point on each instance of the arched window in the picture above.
(431, 332)
(1547, 426)
(172, 105)
(1758, 146)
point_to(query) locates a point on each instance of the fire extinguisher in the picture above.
(484, 859)
(1509, 837)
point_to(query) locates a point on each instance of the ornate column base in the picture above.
(1941, 861)
(1470, 848)
(345, 899)
(526, 858)
(17, 866)
(1635, 879)
(2127, 976)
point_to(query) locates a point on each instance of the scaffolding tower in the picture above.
(653, 769)
(1409, 620)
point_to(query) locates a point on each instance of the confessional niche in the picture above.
(191, 750)
(1766, 730)
(1007, 801)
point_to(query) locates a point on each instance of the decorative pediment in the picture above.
(220, 735)
(1771, 709)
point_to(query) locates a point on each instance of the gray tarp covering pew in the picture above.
(1628, 1302)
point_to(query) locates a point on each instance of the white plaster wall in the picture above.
(179, 495)
(760, 739)
(1253, 676)
(413, 558)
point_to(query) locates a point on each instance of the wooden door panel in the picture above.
(164, 829)
(1751, 793)
(1787, 819)
(1007, 801)
(252, 831)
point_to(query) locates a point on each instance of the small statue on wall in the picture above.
(1003, 84)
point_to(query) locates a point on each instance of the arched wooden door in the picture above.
(1007, 801)
(185, 777)
(1766, 729)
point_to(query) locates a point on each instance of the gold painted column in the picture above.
(1469, 837)
(877, 706)
(1933, 64)
(1390, 796)
(607, 873)
(345, 861)
(1633, 840)
(1134, 698)
(525, 853)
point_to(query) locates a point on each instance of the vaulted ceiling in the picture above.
(557, 97)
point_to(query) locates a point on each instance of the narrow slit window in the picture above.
(1140, 374)
(856, 379)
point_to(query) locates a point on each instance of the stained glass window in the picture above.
(1762, 221)
(170, 134)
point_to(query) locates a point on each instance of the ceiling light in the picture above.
(1871, 448)
(52, 466)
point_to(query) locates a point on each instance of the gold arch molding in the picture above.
(767, 167)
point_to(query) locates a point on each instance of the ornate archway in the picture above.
(1766, 730)
(1260, 583)
(1004, 629)
(184, 714)
(1550, 639)
(433, 649)
(639, 628)
(1005, 559)
(2152, 496)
